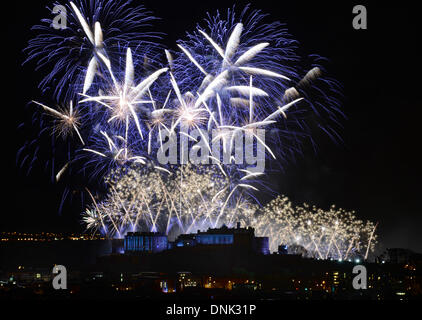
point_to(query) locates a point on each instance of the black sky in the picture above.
(376, 171)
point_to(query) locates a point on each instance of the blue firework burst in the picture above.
(64, 54)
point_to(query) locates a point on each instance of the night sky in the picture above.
(375, 171)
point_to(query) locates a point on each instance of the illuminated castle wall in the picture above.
(214, 238)
(239, 237)
(145, 242)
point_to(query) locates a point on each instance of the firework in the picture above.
(234, 76)
(314, 232)
(191, 198)
(70, 55)
(68, 120)
(254, 70)
(154, 199)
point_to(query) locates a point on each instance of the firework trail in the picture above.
(70, 55)
(188, 199)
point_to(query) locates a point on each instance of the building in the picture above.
(145, 242)
(399, 255)
(241, 238)
(225, 236)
